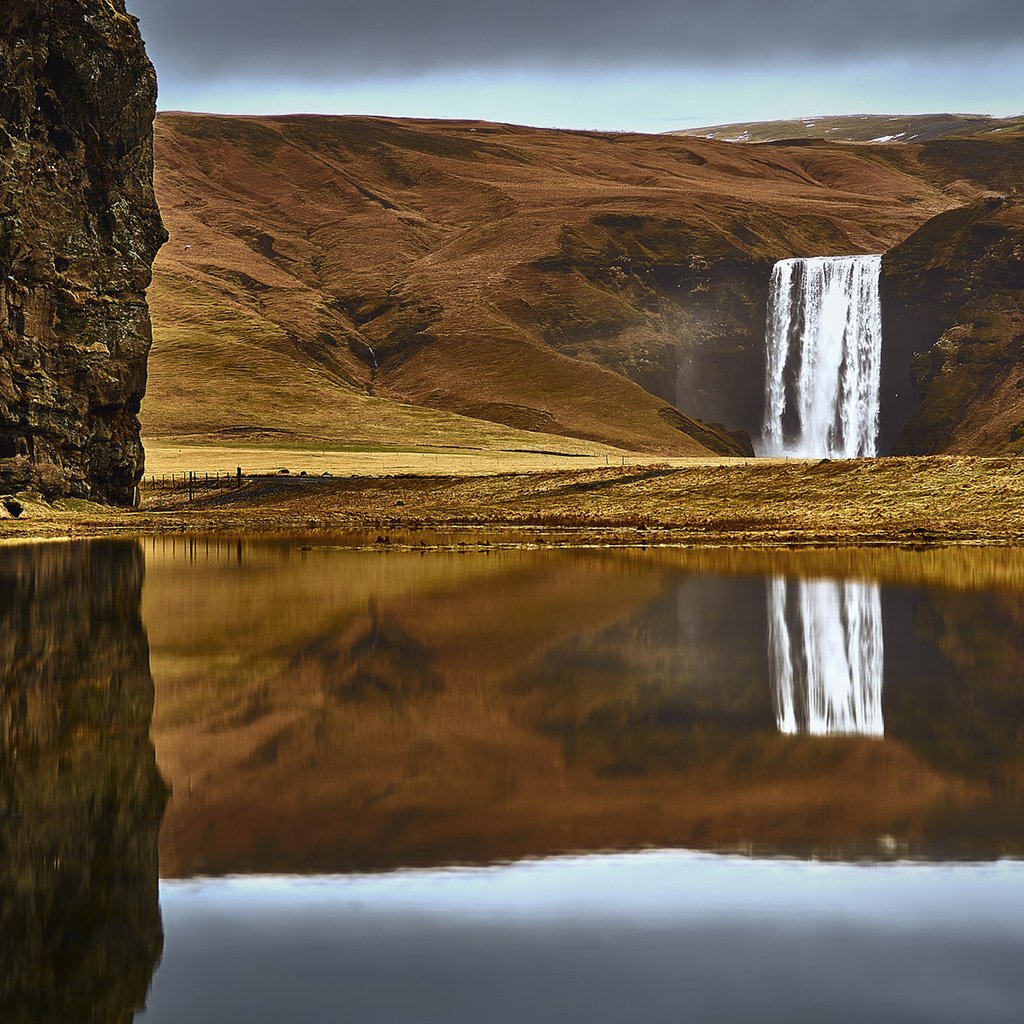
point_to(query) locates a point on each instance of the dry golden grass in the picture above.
(918, 501)
(565, 453)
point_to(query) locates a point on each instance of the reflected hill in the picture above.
(80, 796)
(324, 710)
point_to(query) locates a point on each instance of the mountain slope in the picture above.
(311, 272)
(953, 291)
(349, 280)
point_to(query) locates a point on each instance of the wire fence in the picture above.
(192, 481)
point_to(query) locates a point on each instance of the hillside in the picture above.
(861, 128)
(368, 281)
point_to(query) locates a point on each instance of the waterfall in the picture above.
(824, 358)
(825, 656)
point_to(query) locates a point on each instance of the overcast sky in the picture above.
(646, 65)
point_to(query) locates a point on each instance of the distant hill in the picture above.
(862, 128)
(334, 281)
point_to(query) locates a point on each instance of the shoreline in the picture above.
(884, 502)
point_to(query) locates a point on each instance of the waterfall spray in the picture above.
(824, 358)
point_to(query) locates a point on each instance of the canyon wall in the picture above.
(953, 306)
(79, 228)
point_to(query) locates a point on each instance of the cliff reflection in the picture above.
(326, 710)
(80, 797)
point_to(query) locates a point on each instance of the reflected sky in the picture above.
(654, 936)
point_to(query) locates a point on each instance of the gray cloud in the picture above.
(340, 40)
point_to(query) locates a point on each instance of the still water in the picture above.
(294, 780)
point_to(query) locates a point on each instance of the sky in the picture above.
(633, 65)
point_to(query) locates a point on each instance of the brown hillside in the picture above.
(364, 281)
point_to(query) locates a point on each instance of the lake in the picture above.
(312, 779)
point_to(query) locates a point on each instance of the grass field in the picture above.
(907, 501)
(164, 459)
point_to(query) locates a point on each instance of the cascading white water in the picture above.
(824, 365)
(825, 656)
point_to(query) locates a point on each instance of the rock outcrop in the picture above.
(79, 228)
(953, 309)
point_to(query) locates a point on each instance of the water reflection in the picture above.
(80, 796)
(825, 640)
(322, 711)
(325, 710)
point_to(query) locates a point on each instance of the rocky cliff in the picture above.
(953, 304)
(79, 229)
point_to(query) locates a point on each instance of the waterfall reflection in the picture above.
(825, 656)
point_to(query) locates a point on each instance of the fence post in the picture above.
(238, 476)
(191, 485)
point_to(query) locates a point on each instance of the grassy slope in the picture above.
(367, 281)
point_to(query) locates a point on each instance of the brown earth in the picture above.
(372, 281)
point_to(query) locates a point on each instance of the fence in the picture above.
(192, 481)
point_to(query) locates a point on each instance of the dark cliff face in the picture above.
(953, 312)
(679, 312)
(81, 799)
(79, 229)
